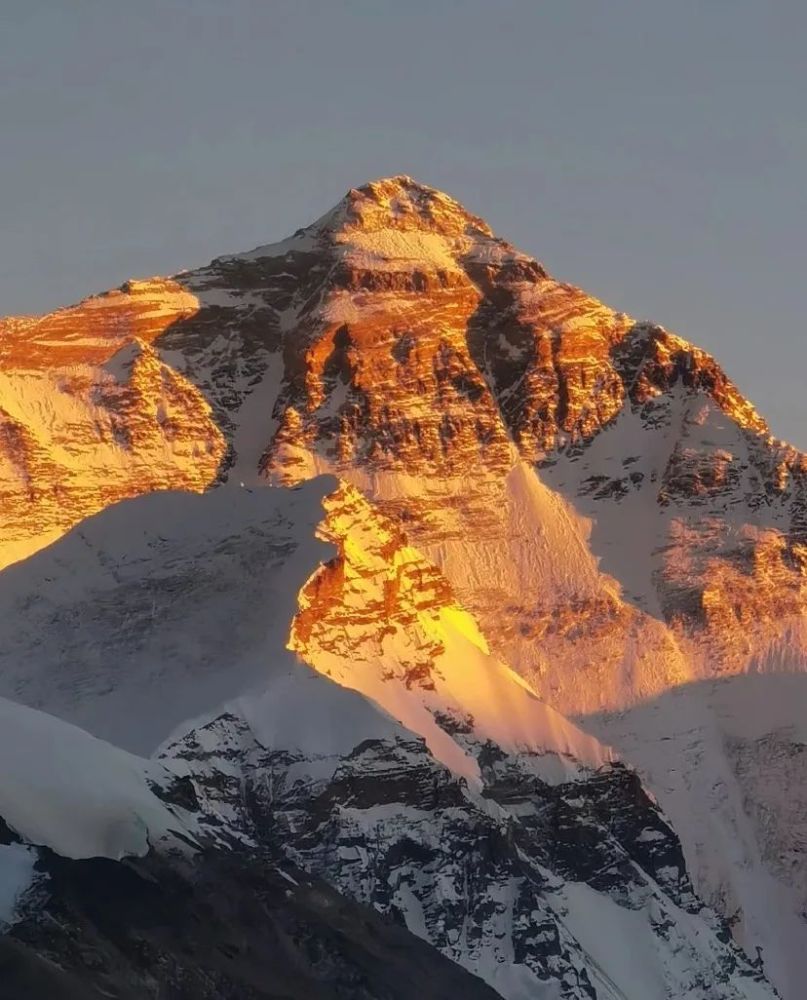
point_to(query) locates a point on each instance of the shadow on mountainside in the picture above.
(236, 926)
(159, 608)
(727, 761)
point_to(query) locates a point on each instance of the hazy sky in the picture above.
(652, 152)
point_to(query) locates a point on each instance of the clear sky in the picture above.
(652, 152)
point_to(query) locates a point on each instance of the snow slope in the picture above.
(159, 608)
(184, 604)
(77, 795)
(727, 761)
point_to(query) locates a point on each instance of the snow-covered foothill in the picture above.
(79, 796)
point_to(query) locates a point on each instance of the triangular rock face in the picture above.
(595, 491)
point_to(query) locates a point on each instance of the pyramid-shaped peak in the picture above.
(395, 217)
(401, 202)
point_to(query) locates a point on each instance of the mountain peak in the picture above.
(395, 219)
(400, 202)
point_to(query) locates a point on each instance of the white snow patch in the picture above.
(301, 710)
(304, 241)
(77, 795)
(16, 877)
(615, 939)
(255, 424)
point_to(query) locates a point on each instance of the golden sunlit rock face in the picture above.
(594, 490)
(383, 620)
(375, 588)
(90, 414)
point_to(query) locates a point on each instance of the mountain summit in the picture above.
(391, 204)
(535, 496)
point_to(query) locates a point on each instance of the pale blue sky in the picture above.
(652, 152)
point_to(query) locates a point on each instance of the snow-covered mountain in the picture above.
(409, 770)
(534, 497)
(111, 886)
